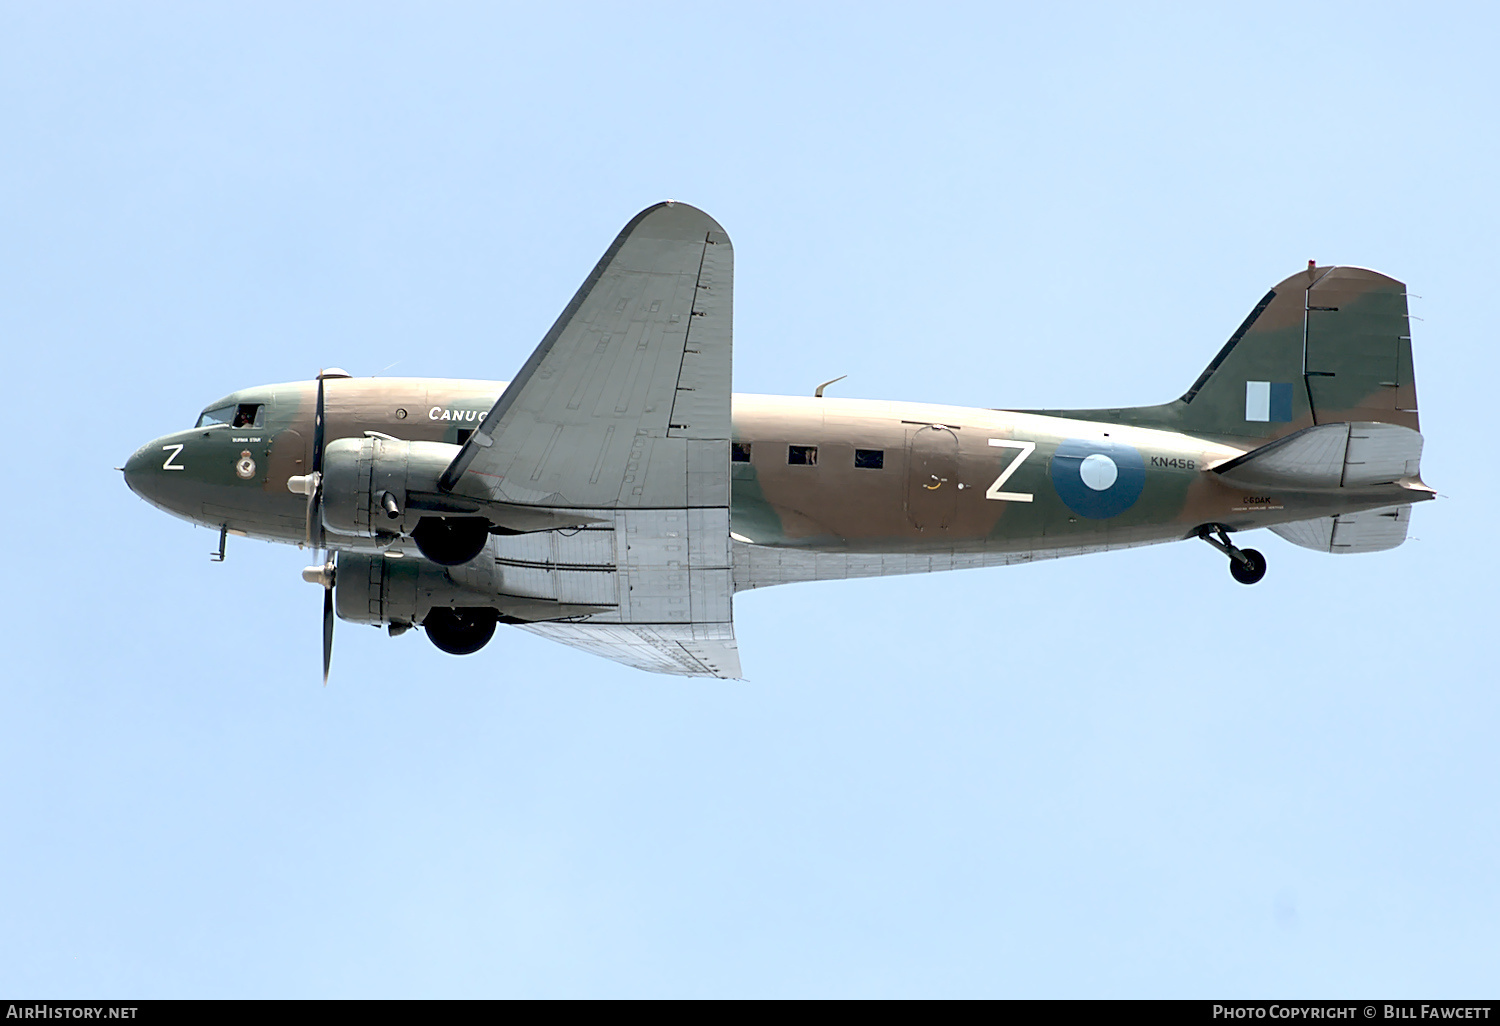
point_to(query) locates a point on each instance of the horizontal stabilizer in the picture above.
(1329, 456)
(1370, 531)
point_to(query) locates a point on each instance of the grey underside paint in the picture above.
(1371, 530)
(761, 566)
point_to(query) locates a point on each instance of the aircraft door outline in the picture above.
(932, 476)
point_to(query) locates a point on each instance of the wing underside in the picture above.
(687, 650)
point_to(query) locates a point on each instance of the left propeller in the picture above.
(311, 485)
(327, 576)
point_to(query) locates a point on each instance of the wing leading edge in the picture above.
(626, 400)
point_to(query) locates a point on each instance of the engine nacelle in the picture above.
(380, 590)
(366, 482)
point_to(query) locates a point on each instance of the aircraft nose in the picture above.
(135, 471)
(148, 469)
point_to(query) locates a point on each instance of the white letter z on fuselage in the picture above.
(1025, 449)
(167, 463)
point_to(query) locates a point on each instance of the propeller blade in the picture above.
(317, 465)
(315, 493)
(327, 576)
(324, 575)
(327, 632)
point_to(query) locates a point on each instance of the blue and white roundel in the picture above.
(1098, 479)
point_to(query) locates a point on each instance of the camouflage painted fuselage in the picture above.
(933, 493)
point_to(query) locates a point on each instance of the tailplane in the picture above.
(1371, 530)
(1349, 454)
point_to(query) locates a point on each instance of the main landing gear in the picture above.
(1245, 565)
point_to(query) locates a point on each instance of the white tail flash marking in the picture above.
(1024, 449)
(1258, 401)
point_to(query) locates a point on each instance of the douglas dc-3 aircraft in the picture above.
(614, 496)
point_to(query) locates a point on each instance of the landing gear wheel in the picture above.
(1246, 565)
(451, 541)
(460, 631)
(1252, 570)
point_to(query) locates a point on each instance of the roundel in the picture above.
(1098, 479)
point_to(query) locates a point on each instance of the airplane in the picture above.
(615, 496)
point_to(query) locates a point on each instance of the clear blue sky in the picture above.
(1109, 776)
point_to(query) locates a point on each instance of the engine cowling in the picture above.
(457, 606)
(382, 487)
(401, 593)
(366, 483)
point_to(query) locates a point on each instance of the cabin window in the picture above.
(248, 415)
(869, 459)
(217, 415)
(802, 455)
(739, 452)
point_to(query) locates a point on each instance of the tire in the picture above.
(460, 631)
(451, 541)
(1248, 574)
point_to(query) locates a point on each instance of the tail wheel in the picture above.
(460, 631)
(1245, 565)
(1251, 570)
(451, 541)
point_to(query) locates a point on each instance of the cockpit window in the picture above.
(218, 415)
(235, 415)
(247, 415)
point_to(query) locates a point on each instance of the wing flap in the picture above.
(683, 650)
(704, 375)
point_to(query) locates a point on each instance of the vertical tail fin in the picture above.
(1328, 344)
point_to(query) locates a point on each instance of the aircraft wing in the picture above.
(689, 650)
(622, 415)
(626, 401)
